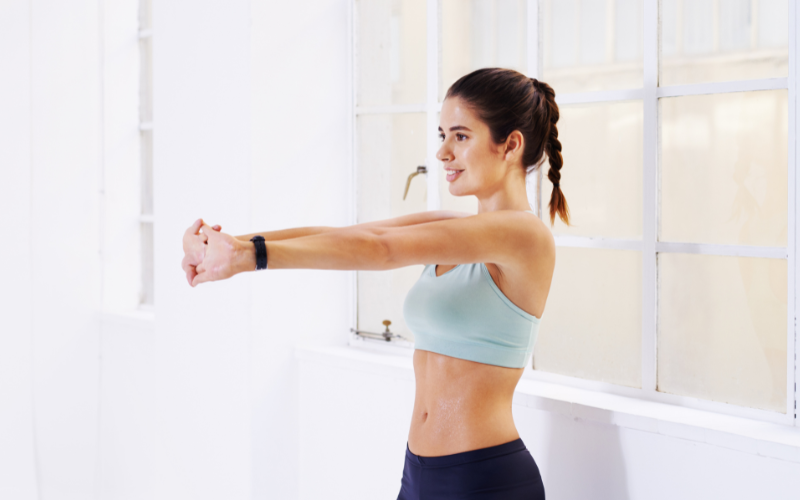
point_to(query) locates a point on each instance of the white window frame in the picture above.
(147, 281)
(120, 178)
(649, 245)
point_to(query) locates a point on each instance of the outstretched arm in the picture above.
(503, 237)
(194, 242)
(403, 220)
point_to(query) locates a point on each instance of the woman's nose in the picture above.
(443, 154)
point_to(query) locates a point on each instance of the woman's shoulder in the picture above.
(542, 235)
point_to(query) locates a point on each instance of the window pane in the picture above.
(146, 159)
(602, 173)
(148, 288)
(391, 52)
(723, 40)
(145, 14)
(724, 168)
(479, 34)
(591, 327)
(390, 147)
(722, 329)
(146, 79)
(592, 44)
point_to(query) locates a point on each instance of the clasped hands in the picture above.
(211, 255)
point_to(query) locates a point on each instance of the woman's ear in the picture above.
(514, 145)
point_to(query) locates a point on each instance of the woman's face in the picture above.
(472, 161)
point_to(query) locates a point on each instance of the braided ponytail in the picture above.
(558, 203)
(506, 100)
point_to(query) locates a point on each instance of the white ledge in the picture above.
(140, 319)
(750, 436)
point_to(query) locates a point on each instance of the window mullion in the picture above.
(352, 62)
(534, 48)
(534, 41)
(650, 44)
(722, 87)
(793, 282)
(431, 100)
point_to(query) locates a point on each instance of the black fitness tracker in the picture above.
(261, 252)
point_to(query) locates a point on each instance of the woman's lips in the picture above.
(454, 175)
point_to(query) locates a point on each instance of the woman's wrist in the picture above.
(244, 257)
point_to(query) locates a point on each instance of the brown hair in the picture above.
(506, 100)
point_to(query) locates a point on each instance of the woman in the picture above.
(476, 314)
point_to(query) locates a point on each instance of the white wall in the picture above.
(250, 129)
(51, 295)
(17, 457)
(300, 177)
(250, 132)
(201, 122)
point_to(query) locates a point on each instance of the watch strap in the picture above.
(261, 252)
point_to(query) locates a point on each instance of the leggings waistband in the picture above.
(466, 456)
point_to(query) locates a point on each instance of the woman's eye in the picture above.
(441, 136)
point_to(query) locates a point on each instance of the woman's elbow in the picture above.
(381, 252)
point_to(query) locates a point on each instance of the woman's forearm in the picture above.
(348, 248)
(354, 247)
(403, 220)
(287, 234)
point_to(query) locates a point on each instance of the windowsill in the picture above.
(134, 318)
(750, 436)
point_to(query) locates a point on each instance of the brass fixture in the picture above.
(385, 335)
(420, 170)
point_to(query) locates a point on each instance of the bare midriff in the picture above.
(460, 405)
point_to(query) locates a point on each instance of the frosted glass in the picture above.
(390, 147)
(723, 169)
(146, 163)
(591, 326)
(391, 52)
(592, 45)
(723, 40)
(479, 34)
(147, 293)
(602, 173)
(722, 329)
(146, 79)
(145, 14)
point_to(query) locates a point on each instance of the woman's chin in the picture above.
(456, 191)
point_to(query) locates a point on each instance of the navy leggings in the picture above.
(503, 472)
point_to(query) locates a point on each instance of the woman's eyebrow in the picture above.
(457, 127)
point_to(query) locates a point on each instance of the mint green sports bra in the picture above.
(464, 314)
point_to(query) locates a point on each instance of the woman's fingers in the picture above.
(200, 278)
(196, 225)
(188, 269)
(195, 241)
(190, 274)
(185, 263)
(218, 252)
